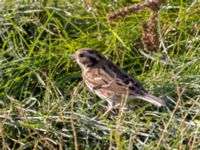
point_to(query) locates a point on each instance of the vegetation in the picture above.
(45, 105)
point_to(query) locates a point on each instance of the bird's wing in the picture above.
(108, 76)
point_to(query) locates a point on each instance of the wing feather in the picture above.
(109, 77)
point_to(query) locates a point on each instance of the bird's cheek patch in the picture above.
(93, 60)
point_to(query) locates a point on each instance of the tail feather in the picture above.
(153, 99)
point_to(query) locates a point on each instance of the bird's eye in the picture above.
(81, 55)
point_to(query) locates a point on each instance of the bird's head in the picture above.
(87, 57)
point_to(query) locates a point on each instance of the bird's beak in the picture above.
(72, 56)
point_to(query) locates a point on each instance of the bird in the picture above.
(110, 82)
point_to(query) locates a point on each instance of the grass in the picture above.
(44, 104)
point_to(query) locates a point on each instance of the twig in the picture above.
(72, 115)
(150, 37)
(153, 4)
(179, 98)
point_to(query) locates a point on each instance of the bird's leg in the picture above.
(110, 107)
(117, 106)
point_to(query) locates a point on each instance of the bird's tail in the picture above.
(152, 99)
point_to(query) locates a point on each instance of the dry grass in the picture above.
(42, 104)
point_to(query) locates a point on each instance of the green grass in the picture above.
(43, 103)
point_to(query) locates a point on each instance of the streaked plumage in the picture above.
(110, 82)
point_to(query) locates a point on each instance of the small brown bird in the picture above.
(108, 81)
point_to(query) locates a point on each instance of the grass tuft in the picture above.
(45, 105)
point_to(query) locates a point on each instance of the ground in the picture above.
(44, 103)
